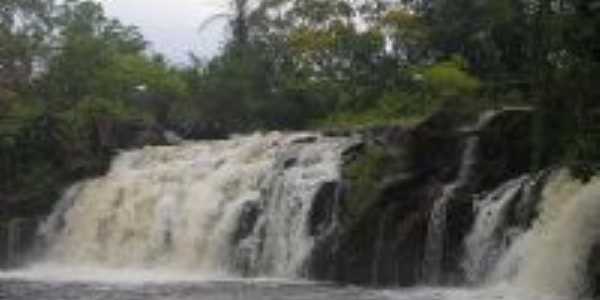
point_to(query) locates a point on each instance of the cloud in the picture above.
(172, 25)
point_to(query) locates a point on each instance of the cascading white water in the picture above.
(488, 238)
(549, 258)
(436, 229)
(282, 228)
(179, 207)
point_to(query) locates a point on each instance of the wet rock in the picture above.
(4, 263)
(506, 147)
(18, 238)
(393, 178)
(248, 218)
(290, 162)
(305, 140)
(593, 270)
(322, 213)
(353, 152)
(115, 134)
(338, 133)
(199, 130)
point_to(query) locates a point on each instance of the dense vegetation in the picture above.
(66, 69)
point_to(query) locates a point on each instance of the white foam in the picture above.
(497, 292)
(177, 209)
(51, 273)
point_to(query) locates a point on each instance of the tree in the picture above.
(24, 30)
(450, 79)
(408, 34)
(87, 43)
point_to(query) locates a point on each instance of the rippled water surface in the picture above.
(226, 290)
(21, 289)
(53, 283)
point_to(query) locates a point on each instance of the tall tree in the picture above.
(25, 27)
(87, 42)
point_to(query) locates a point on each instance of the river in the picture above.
(45, 283)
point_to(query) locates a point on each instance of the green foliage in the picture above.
(19, 114)
(91, 66)
(402, 64)
(91, 45)
(409, 34)
(24, 30)
(365, 175)
(449, 79)
(394, 108)
(149, 83)
(89, 109)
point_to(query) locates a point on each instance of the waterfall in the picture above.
(488, 238)
(236, 206)
(436, 229)
(549, 257)
(552, 256)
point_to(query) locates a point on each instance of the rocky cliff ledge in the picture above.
(391, 181)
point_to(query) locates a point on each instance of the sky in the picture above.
(172, 26)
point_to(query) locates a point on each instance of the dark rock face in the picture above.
(199, 130)
(322, 214)
(4, 246)
(242, 257)
(392, 180)
(17, 241)
(122, 135)
(506, 147)
(305, 140)
(594, 271)
(384, 245)
(250, 213)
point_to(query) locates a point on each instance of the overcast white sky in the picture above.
(172, 25)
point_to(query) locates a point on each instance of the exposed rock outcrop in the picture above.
(392, 180)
